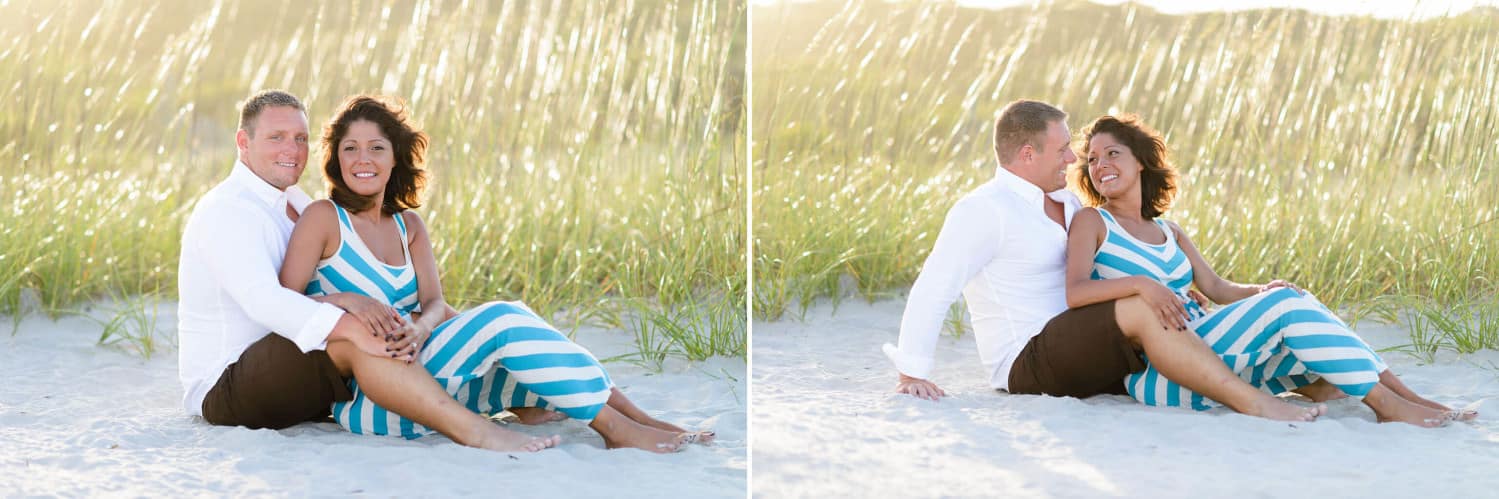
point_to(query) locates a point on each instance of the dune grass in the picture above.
(587, 156)
(1351, 155)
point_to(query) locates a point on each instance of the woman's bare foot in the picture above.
(619, 402)
(1274, 408)
(1391, 407)
(499, 439)
(535, 415)
(620, 431)
(1321, 391)
(1394, 384)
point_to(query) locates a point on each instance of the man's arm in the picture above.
(237, 258)
(968, 241)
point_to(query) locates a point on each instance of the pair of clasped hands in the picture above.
(403, 336)
(1171, 307)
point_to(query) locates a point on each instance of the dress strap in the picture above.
(405, 239)
(1108, 219)
(343, 217)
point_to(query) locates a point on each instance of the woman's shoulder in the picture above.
(413, 222)
(1090, 214)
(1176, 230)
(319, 209)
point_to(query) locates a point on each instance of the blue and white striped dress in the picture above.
(489, 358)
(1277, 340)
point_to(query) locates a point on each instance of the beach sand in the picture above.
(826, 423)
(78, 419)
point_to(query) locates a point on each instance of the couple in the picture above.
(1074, 301)
(372, 340)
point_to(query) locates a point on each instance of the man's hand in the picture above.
(919, 388)
(353, 330)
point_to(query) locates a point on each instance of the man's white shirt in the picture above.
(1008, 260)
(227, 286)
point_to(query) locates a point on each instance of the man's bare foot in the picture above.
(535, 415)
(1391, 407)
(1274, 408)
(503, 440)
(1321, 391)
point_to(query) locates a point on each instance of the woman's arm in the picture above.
(1216, 288)
(309, 244)
(1084, 237)
(428, 290)
(313, 239)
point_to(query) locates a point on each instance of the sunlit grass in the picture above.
(1353, 156)
(587, 156)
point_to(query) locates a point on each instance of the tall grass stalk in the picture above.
(582, 151)
(1352, 155)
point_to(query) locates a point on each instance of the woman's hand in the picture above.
(382, 319)
(1166, 304)
(1278, 283)
(405, 343)
(1201, 299)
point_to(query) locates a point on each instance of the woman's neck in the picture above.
(371, 214)
(1125, 208)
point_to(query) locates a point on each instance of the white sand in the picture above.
(826, 423)
(79, 419)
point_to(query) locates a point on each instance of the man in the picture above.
(235, 370)
(1003, 246)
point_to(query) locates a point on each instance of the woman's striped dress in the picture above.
(1277, 340)
(490, 357)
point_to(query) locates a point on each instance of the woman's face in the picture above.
(1112, 166)
(366, 158)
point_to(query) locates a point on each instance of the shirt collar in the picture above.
(267, 193)
(264, 191)
(1027, 191)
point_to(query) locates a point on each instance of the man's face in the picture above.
(1049, 161)
(277, 152)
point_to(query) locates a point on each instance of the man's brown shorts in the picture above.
(275, 385)
(1080, 353)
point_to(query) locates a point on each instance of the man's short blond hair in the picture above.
(1023, 122)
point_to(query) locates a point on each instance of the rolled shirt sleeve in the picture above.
(968, 241)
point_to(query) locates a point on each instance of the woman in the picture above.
(365, 241)
(1275, 336)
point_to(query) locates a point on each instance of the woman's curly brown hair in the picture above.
(407, 179)
(1157, 178)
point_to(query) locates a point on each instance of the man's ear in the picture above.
(1026, 153)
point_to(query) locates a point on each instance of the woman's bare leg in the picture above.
(1321, 391)
(1389, 406)
(619, 431)
(409, 390)
(1391, 381)
(620, 403)
(1182, 357)
(535, 415)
